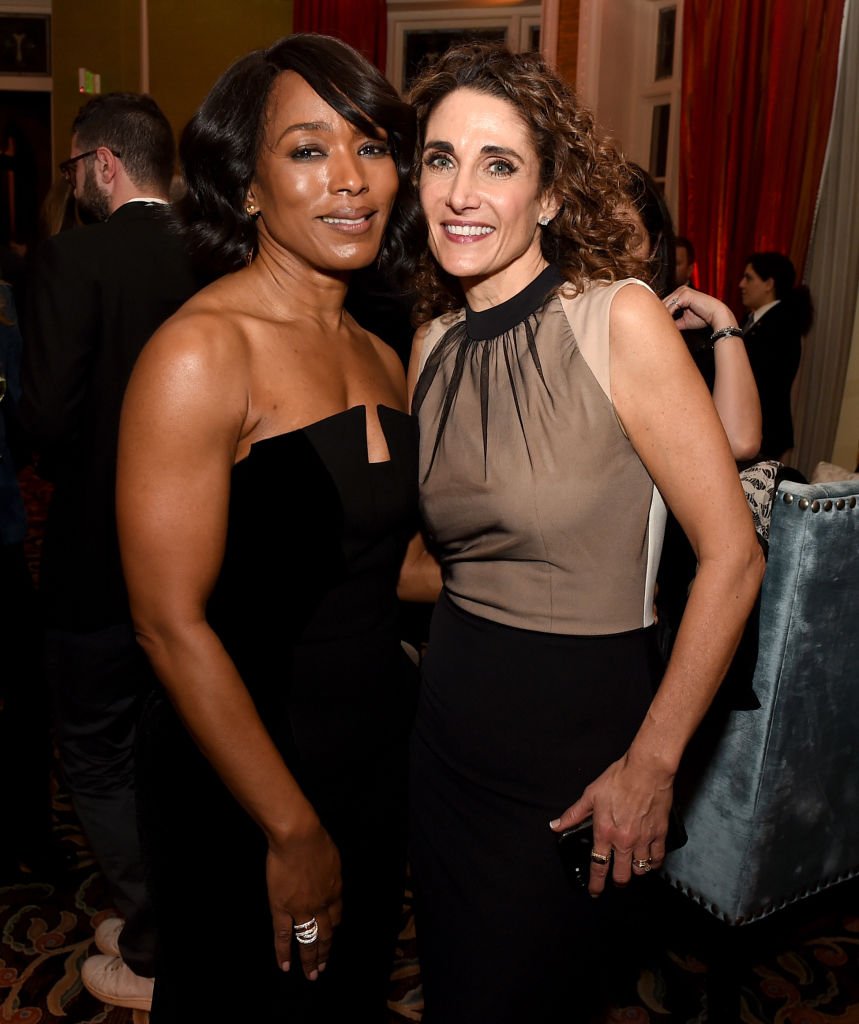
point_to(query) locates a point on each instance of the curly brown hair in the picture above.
(587, 239)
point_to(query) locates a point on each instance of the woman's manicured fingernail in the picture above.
(555, 823)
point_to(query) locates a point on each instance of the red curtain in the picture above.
(361, 23)
(758, 87)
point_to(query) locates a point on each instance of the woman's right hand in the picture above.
(304, 882)
(698, 309)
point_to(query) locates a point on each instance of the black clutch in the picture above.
(575, 845)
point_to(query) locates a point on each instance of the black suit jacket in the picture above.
(774, 346)
(97, 294)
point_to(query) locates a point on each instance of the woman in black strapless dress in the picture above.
(267, 495)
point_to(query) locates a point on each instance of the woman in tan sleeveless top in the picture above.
(557, 407)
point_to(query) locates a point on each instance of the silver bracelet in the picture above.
(725, 332)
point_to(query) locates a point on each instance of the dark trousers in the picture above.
(25, 723)
(98, 681)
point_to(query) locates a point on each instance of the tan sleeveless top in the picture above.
(541, 511)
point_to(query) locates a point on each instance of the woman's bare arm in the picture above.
(663, 403)
(735, 393)
(420, 574)
(182, 420)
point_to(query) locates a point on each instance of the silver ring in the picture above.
(672, 302)
(307, 933)
(600, 858)
(643, 864)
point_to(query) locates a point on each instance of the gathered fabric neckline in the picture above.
(507, 319)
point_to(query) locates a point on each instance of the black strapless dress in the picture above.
(306, 606)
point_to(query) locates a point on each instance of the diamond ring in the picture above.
(308, 932)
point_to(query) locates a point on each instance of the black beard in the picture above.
(92, 199)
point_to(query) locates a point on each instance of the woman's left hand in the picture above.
(629, 804)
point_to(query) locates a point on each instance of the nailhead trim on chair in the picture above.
(770, 908)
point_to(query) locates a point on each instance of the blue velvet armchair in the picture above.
(770, 796)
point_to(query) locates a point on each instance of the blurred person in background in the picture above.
(780, 315)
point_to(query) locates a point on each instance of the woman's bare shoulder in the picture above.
(633, 298)
(420, 340)
(206, 328)
(202, 354)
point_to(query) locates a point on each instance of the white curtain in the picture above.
(832, 270)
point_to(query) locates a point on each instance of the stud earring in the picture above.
(543, 221)
(251, 210)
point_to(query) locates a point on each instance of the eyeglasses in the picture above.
(67, 167)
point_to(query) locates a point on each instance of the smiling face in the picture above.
(481, 194)
(754, 291)
(324, 190)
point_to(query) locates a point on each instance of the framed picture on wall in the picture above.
(25, 44)
(423, 46)
(418, 37)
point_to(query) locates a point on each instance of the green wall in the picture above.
(101, 37)
(190, 43)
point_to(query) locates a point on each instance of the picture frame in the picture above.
(421, 46)
(25, 44)
(417, 36)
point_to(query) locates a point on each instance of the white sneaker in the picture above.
(107, 936)
(113, 982)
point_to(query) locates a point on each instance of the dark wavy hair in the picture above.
(650, 203)
(134, 126)
(779, 267)
(589, 238)
(220, 146)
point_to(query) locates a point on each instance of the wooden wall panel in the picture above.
(190, 43)
(568, 39)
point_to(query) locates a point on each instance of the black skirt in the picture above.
(512, 725)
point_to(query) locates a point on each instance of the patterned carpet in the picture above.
(802, 967)
(806, 970)
(47, 920)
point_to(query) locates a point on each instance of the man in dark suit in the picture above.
(97, 294)
(684, 258)
(780, 314)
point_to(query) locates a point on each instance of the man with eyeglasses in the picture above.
(90, 198)
(98, 292)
